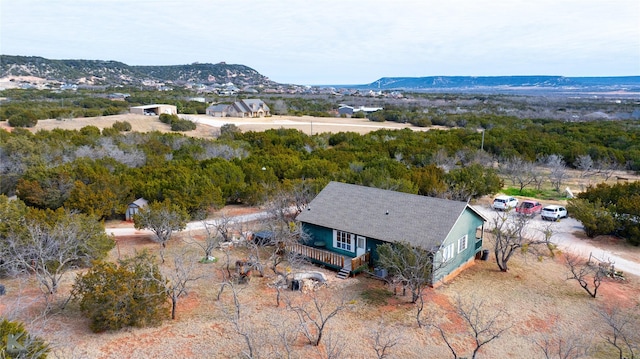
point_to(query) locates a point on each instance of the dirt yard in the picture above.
(537, 300)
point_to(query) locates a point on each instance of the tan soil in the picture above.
(141, 123)
(534, 293)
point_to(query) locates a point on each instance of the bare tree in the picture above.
(287, 333)
(443, 161)
(607, 167)
(589, 275)
(333, 347)
(558, 170)
(511, 235)
(162, 218)
(211, 240)
(237, 318)
(623, 335)
(314, 314)
(224, 226)
(285, 205)
(179, 277)
(585, 164)
(383, 338)
(284, 233)
(518, 170)
(481, 326)
(280, 255)
(563, 345)
(49, 251)
(538, 175)
(227, 278)
(413, 266)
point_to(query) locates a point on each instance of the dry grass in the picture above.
(534, 293)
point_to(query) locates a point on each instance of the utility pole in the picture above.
(482, 143)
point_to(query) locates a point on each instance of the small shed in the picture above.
(155, 109)
(134, 207)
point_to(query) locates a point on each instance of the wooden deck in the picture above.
(330, 258)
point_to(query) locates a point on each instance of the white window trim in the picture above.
(448, 252)
(351, 241)
(464, 239)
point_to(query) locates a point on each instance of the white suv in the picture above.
(504, 203)
(553, 213)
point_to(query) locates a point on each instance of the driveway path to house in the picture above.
(196, 225)
(563, 236)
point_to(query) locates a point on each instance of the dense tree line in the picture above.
(99, 173)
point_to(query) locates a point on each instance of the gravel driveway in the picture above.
(563, 236)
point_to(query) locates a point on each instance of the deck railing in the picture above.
(321, 255)
(358, 262)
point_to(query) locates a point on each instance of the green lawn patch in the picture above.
(549, 195)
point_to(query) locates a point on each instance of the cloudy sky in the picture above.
(336, 41)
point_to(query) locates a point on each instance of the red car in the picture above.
(529, 208)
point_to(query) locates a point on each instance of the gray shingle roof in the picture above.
(385, 215)
(255, 104)
(218, 108)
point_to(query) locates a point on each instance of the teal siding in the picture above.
(372, 246)
(318, 233)
(466, 225)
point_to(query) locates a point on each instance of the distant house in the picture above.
(134, 207)
(220, 110)
(346, 223)
(345, 110)
(117, 96)
(72, 87)
(154, 109)
(350, 110)
(242, 108)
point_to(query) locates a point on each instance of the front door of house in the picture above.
(361, 245)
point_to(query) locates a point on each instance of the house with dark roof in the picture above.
(242, 108)
(345, 223)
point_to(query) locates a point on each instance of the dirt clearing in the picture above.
(535, 295)
(209, 127)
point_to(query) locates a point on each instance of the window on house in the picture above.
(462, 243)
(448, 252)
(344, 240)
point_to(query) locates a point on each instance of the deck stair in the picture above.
(343, 273)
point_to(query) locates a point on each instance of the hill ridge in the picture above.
(109, 72)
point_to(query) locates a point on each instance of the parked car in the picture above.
(529, 208)
(504, 203)
(553, 213)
